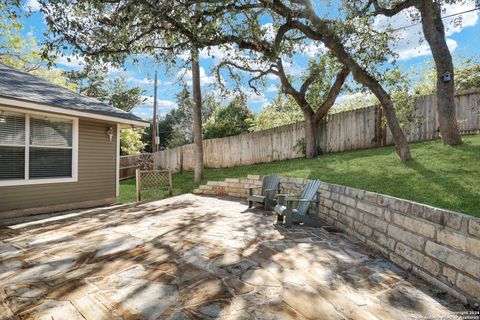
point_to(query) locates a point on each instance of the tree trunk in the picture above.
(434, 32)
(401, 143)
(197, 117)
(323, 33)
(362, 76)
(311, 130)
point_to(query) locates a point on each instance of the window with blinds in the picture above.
(35, 147)
(12, 145)
(50, 148)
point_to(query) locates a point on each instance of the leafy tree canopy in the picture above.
(93, 81)
(17, 50)
(284, 110)
(124, 97)
(23, 52)
(176, 127)
(131, 142)
(230, 120)
(467, 75)
(90, 81)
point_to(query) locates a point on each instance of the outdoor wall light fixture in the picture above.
(110, 133)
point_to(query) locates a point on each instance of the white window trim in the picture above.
(26, 180)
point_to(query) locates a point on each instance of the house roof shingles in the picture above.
(24, 86)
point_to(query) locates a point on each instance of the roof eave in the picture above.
(14, 102)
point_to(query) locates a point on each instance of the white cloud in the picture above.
(32, 6)
(292, 68)
(411, 42)
(458, 23)
(345, 98)
(218, 53)
(312, 49)
(145, 111)
(269, 32)
(186, 75)
(162, 104)
(113, 70)
(422, 50)
(166, 104)
(184, 55)
(71, 61)
(271, 76)
(141, 81)
(78, 62)
(255, 99)
(272, 88)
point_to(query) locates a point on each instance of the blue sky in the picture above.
(463, 39)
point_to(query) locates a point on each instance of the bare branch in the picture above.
(261, 72)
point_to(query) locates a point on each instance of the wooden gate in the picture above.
(153, 180)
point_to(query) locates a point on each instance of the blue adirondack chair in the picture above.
(267, 194)
(293, 209)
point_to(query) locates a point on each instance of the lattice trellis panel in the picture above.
(153, 180)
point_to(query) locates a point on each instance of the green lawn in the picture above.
(446, 177)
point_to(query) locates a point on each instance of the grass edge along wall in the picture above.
(441, 176)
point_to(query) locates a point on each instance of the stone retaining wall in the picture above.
(440, 246)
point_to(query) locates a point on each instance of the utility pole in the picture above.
(154, 124)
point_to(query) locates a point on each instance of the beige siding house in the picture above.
(58, 150)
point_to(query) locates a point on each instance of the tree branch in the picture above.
(306, 84)
(332, 94)
(289, 89)
(261, 72)
(390, 12)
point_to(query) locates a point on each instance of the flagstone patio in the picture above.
(193, 257)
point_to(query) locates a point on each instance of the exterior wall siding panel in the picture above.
(96, 175)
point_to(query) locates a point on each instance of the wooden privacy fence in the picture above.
(129, 164)
(350, 130)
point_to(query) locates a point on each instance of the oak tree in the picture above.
(116, 30)
(429, 13)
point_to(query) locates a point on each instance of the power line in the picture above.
(444, 17)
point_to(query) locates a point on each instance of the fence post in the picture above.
(170, 182)
(138, 187)
(380, 128)
(181, 159)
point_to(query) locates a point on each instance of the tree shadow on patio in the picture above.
(197, 257)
